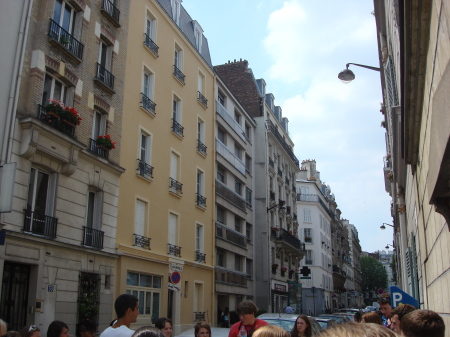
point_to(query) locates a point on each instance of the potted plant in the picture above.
(105, 142)
(390, 176)
(308, 239)
(65, 114)
(275, 265)
(275, 229)
(290, 231)
(283, 269)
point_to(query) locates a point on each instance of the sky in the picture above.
(299, 47)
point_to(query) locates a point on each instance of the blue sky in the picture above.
(299, 47)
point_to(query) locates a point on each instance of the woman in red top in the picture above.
(247, 311)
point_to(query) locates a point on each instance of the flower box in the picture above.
(283, 269)
(275, 265)
(105, 142)
(65, 114)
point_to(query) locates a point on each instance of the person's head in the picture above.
(422, 323)
(385, 305)
(85, 328)
(247, 311)
(270, 331)
(165, 325)
(127, 306)
(3, 327)
(148, 331)
(12, 334)
(202, 329)
(357, 330)
(371, 317)
(302, 327)
(397, 315)
(58, 329)
(30, 331)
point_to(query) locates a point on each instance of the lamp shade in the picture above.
(346, 76)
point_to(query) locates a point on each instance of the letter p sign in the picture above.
(399, 297)
(396, 298)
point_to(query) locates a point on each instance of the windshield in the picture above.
(286, 325)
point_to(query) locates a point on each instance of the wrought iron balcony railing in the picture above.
(201, 147)
(199, 316)
(99, 151)
(177, 128)
(151, 45)
(55, 122)
(200, 200)
(144, 170)
(148, 104)
(173, 250)
(178, 74)
(175, 186)
(141, 241)
(66, 40)
(271, 127)
(309, 262)
(92, 237)
(40, 224)
(202, 99)
(105, 76)
(200, 257)
(112, 11)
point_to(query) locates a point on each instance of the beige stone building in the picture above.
(59, 256)
(414, 60)
(165, 234)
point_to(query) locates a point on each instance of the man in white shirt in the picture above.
(127, 310)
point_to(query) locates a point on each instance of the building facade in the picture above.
(58, 260)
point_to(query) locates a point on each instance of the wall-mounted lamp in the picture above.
(387, 246)
(280, 206)
(346, 75)
(383, 225)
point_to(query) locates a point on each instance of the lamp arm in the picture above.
(362, 65)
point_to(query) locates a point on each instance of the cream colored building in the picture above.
(415, 65)
(166, 203)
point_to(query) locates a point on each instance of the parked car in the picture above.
(350, 316)
(287, 321)
(338, 318)
(326, 323)
(371, 309)
(215, 332)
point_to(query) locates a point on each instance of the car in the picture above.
(287, 321)
(351, 316)
(325, 323)
(371, 309)
(338, 318)
(215, 332)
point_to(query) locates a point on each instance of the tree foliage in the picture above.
(374, 275)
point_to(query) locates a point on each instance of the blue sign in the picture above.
(399, 297)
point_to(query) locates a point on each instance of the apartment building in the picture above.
(279, 249)
(356, 298)
(59, 253)
(234, 187)
(165, 235)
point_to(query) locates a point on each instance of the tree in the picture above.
(374, 276)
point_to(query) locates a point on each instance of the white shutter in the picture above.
(139, 218)
(172, 239)
(173, 166)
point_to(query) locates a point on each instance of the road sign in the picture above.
(399, 297)
(305, 271)
(174, 287)
(175, 277)
(175, 267)
(305, 277)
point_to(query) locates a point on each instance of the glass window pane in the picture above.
(146, 281)
(132, 279)
(155, 307)
(141, 302)
(157, 282)
(148, 301)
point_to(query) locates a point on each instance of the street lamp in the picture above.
(387, 246)
(384, 227)
(280, 206)
(346, 75)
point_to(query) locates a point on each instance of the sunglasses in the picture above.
(32, 327)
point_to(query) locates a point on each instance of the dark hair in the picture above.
(12, 334)
(308, 330)
(422, 323)
(161, 322)
(247, 307)
(226, 311)
(55, 328)
(200, 325)
(357, 330)
(28, 330)
(123, 302)
(148, 331)
(371, 317)
(385, 298)
(402, 310)
(85, 325)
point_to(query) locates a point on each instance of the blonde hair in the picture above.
(358, 330)
(270, 331)
(3, 327)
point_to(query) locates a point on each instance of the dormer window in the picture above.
(198, 33)
(176, 5)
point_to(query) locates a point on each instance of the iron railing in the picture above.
(230, 235)
(200, 200)
(199, 316)
(200, 257)
(99, 151)
(144, 170)
(201, 147)
(222, 111)
(65, 39)
(178, 74)
(202, 99)
(230, 156)
(230, 277)
(173, 250)
(104, 76)
(151, 45)
(223, 191)
(176, 186)
(177, 128)
(55, 122)
(109, 8)
(40, 224)
(271, 127)
(92, 237)
(141, 241)
(148, 104)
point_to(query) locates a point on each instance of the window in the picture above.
(237, 117)
(237, 224)
(248, 232)
(248, 164)
(178, 58)
(201, 90)
(176, 10)
(94, 210)
(238, 151)
(41, 192)
(148, 79)
(237, 262)
(221, 174)
(64, 16)
(248, 267)
(98, 124)
(308, 235)
(220, 215)
(174, 164)
(173, 229)
(199, 238)
(54, 89)
(221, 258)
(238, 187)
(221, 136)
(221, 98)
(306, 215)
(309, 257)
(176, 117)
(247, 131)
(150, 28)
(201, 200)
(248, 196)
(104, 64)
(304, 191)
(198, 35)
(144, 168)
(201, 147)
(147, 288)
(139, 217)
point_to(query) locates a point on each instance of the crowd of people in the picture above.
(404, 320)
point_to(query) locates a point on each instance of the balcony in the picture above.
(144, 170)
(199, 316)
(173, 250)
(230, 157)
(314, 198)
(141, 241)
(177, 128)
(175, 187)
(271, 163)
(287, 241)
(55, 122)
(200, 257)
(222, 112)
(309, 262)
(92, 238)
(99, 151)
(280, 173)
(66, 41)
(178, 74)
(105, 78)
(230, 235)
(271, 127)
(202, 99)
(111, 12)
(148, 105)
(151, 45)
(201, 147)
(40, 224)
(229, 195)
(200, 200)
(230, 277)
